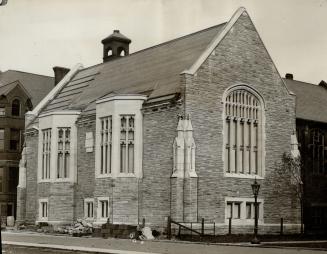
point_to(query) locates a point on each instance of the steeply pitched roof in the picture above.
(311, 100)
(36, 85)
(154, 71)
(6, 89)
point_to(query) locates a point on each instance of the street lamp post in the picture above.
(255, 189)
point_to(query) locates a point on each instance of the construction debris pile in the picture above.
(79, 228)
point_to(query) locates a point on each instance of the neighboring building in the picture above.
(180, 129)
(19, 92)
(311, 126)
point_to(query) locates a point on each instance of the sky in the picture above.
(36, 35)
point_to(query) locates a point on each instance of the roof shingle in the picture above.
(311, 100)
(38, 86)
(154, 71)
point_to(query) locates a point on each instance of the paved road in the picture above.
(127, 246)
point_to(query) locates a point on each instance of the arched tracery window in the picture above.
(243, 126)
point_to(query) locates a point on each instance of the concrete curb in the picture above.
(275, 245)
(73, 248)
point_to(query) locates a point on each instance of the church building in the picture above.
(180, 129)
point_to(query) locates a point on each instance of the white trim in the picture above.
(31, 115)
(53, 122)
(244, 86)
(42, 219)
(238, 175)
(116, 106)
(243, 220)
(126, 175)
(89, 200)
(261, 133)
(122, 97)
(98, 215)
(214, 43)
(63, 112)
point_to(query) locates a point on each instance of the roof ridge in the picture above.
(9, 83)
(179, 38)
(215, 41)
(304, 82)
(158, 45)
(36, 74)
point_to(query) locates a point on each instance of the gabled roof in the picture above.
(154, 71)
(6, 89)
(36, 85)
(311, 100)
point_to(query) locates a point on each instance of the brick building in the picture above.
(19, 92)
(311, 126)
(180, 129)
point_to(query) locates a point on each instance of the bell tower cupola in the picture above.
(115, 45)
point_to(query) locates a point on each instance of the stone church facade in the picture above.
(181, 129)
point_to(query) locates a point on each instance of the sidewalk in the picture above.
(120, 246)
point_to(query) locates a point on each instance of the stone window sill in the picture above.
(244, 222)
(104, 176)
(235, 175)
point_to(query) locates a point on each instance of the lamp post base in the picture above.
(255, 240)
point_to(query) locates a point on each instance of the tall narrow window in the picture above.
(15, 107)
(106, 145)
(88, 208)
(63, 159)
(103, 208)
(250, 210)
(14, 139)
(44, 209)
(46, 153)
(13, 179)
(233, 210)
(1, 180)
(242, 133)
(127, 144)
(2, 139)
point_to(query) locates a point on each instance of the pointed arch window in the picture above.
(243, 129)
(63, 155)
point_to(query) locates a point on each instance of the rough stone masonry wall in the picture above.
(132, 199)
(240, 58)
(85, 167)
(61, 200)
(122, 192)
(31, 142)
(21, 205)
(123, 198)
(159, 132)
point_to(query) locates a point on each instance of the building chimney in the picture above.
(59, 73)
(323, 84)
(289, 76)
(115, 45)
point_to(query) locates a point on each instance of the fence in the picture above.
(208, 228)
